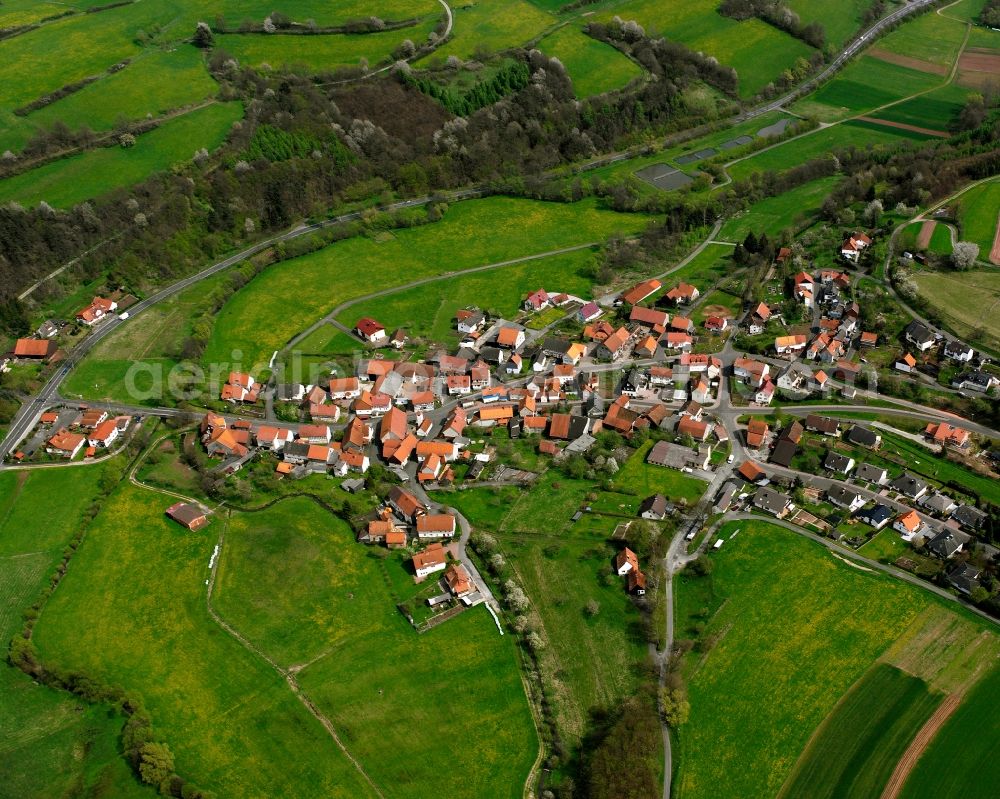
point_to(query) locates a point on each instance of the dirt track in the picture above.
(907, 61)
(919, 743)
(903, 126)
(995, 252)
(926, 231)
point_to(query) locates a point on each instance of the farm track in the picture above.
(288, 675)
(919, 743)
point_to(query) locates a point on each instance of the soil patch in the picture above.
(907, 61)
(718, 310)
(995, 251)
(903, 126)
(926, 231)
(919, 744)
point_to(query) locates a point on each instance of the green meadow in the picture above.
(929, 37)
(289, 296)
(793, 209)
(937, 110)
(492, 26)
(132, 612)
(293, 580)
(841, 20)
(322, 52)
(324, 13)
(978, 212)
(788, 642)
(948, 294)
(72, 180)
(595, 67)
(428, 311)
(50, 743)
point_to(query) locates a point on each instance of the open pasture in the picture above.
(325, 13)
(841, 20)
(427, 311)
(928, 37)
(792, 209)
(948, 294)
(323, 52)
(856, 748)
(132, 612)
(289, 296)
(595, 67)
(91, 174)
(937, 110)
(492, 26)
(788, 642)
(978, 212)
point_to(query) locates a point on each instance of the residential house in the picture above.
(783, 452)
(104, 435)
(682, 324)
(969, 516)
(615, 345)
(372, 404)
(957, 351)
(751, 472)
(654, 508)
(647, 347)
(357, 434)
(939, 503)
(656, 320)
(446, 450)
(470, 321)
(676, 456)
(432, 559)
(240, 387)
(392, 426)
(626, 561)
(854, 245)
(869, 340)
(822, 424)
(190, 516)
(661, 376)
(871, 474)
(906, 364)
(677, 341)
(863, 437)
(909, 486)
(98, 309)
(877, 516)
(773, 502)
(948, 543)
(398, 339)
(756, 320)
(48, 329)
(965, 577)
(683, 293)
(459, 384)
(599, 331)
(514, 364)
(716, 324)
(66, 444)
(344, 388)
(844, 498)
(757, 432)
(635, 582)
(435, 525)
(536, 300)
(919, 335)
(699, 431)
(947, 435)
(804, 290)
(588, 312)
(977, 380)
(765, 393)
(510, 337)
(641, 291)
(458, 581)
(790, 345)
(836, 462)
(273, 438)
(405, 504)
(370, 330)
(751, 371)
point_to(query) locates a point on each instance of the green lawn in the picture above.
(885, 546)
(929, 37)
(948, 293)
(818, 144)
(90, 174)
(131, 611)
(979, 215)
(50, 744)
(964, 757)
(840, 20)
(790, 644)
(795, 208)
(705, 269)
(428, 311)
(643, 480)
(863, 85)
(758, 52)
(290, 295)
(594, 66)
(856, 748)
(492, 27)
(292, 580)
(319, 53)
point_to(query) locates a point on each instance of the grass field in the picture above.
(50, 744)
(978, 213)
(294, 582)
(885, 546)
(80, 177)
(491, 27)
(321, 53)
(863, 85)
(758, 52)
(594, 66)
(794, 208)
(818, 144)
(790, 643)
(643, 480)
(964, 757)
(235, 11)
(430, 312)
(949, 292)
(705, 269)
(929, 37)
(840, 20)
(937, 110)
(289, 296)
(132, 612)
(856, 748)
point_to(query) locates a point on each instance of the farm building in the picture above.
(187, 514)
